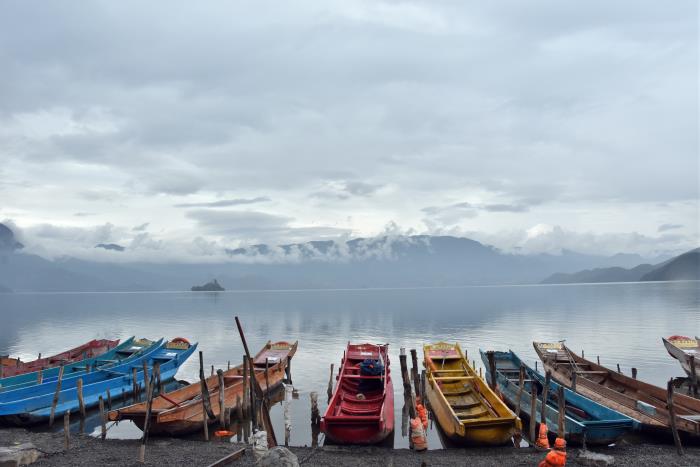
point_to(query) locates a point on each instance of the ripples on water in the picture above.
(623, 323)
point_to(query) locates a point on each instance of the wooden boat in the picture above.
(35, 402)
(687, 351)
(361, 410)
(465, 407)
(14, 366)
(641, 401)
(110, 357)
(180, 412)
(584, 419)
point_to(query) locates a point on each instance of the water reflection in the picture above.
(622, 323)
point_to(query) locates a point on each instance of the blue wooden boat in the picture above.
(585, 419)
(116, 354)
(118, 380)
(136, 352)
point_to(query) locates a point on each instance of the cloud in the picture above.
(84, 214)
(141, 228)
(343, 190)
(224, 203)
(505, 208)
(667, 227)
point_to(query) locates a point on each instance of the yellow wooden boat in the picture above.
(465, 407)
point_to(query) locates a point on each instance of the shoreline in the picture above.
(86, 450)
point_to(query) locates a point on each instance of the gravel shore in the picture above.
(88, 451)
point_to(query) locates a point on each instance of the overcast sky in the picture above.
(188, 127)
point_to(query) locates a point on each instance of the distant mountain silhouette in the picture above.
(7, 240)
(682, 267)
(110, 246)
(398, 261)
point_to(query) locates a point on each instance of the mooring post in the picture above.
(561, 397)
(533, 412)
(135, 384)
(574, 376)
(253, 395)
(55, 395)
(406, 385)
(672, 417)
(156, 368)
(103, 419)
(39, 376)
(536, 362)
(109, 401)
(518, 401)
(287, 415)
(222, 403)
(228, 365)
(315, 416)
(81, 404)
(545, 396)
(583, 355)
(598, 359)
(693, 376)
(634, 373)
(204, 391)
(330, 384)
(267, 380)
(618, 368)
(288, 370)
(414, 372)
(66, 429)
(147, 424)
(491, 356)
(245, 409)
(239, 418)
(145, 376)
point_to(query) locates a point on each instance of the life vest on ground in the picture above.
(557, 456)
(542, 440)
(418, 439)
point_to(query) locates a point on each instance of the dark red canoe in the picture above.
(94, 348)
(361, 410)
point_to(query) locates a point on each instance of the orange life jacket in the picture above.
(554, 458)
(420, 442)
(542, 440)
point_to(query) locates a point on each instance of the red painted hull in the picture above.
(361, 410)
(93, 348)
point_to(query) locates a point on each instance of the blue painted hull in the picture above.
(585, 418)
(75, 368)
(39, 408)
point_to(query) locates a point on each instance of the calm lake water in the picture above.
(623, 323)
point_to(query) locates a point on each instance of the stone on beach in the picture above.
(278, 457)
(20, 454)
(593, 458)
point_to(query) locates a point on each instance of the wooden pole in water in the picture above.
(252, 379)
(212, 371)
(598, 359)
(103, 419)
(145, 376)
(491, 356)
(634, 373)
(109, 400)
(204, 392)
(81, 404)
(245, 409)
(66, 429)
(55, 395)
(330, 384)
(545, 396)
(533, 412)
(406, 385)
(521, 384)
(147, 421)
(156, 371)
(414, 372)
(135, 384)
(222, 403)
(561, 397)
(288, 370)
(672, 417)
(315, 416)
(583, 355)
(618, 368)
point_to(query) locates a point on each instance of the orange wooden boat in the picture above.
(180, 412)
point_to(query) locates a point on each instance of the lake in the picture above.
(622, 323)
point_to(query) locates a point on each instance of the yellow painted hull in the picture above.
(467, 410)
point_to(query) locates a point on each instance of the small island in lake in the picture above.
(212, 286)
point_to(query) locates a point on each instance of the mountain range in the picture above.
(401, 261)
(682, 267)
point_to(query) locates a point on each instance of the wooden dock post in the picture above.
(55, 395)
(103, 419)
(598, 359)
(533, 413)
(561, 398)
(330, 383)
(222, 402)
(518, 400)
(245, 403)
(287, 415)
(672, 417)
(414, 373)
(545, 396)
(267, 380)
(693, 376)
(618, 368)
(408, 398)
(583, 355)
(206, 403)
(574, 376)
(40, 376)
(228, 365)
(315, 416)
(81, 404)
(109, 401)
(288, 370)
(147, 424)
(239, 419)
(66, 429)
(634, 373)
(491, 356)
(135, 384)
(212, 371)
(145, 377)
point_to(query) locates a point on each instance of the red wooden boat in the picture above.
(14, 366)
(361, 410)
